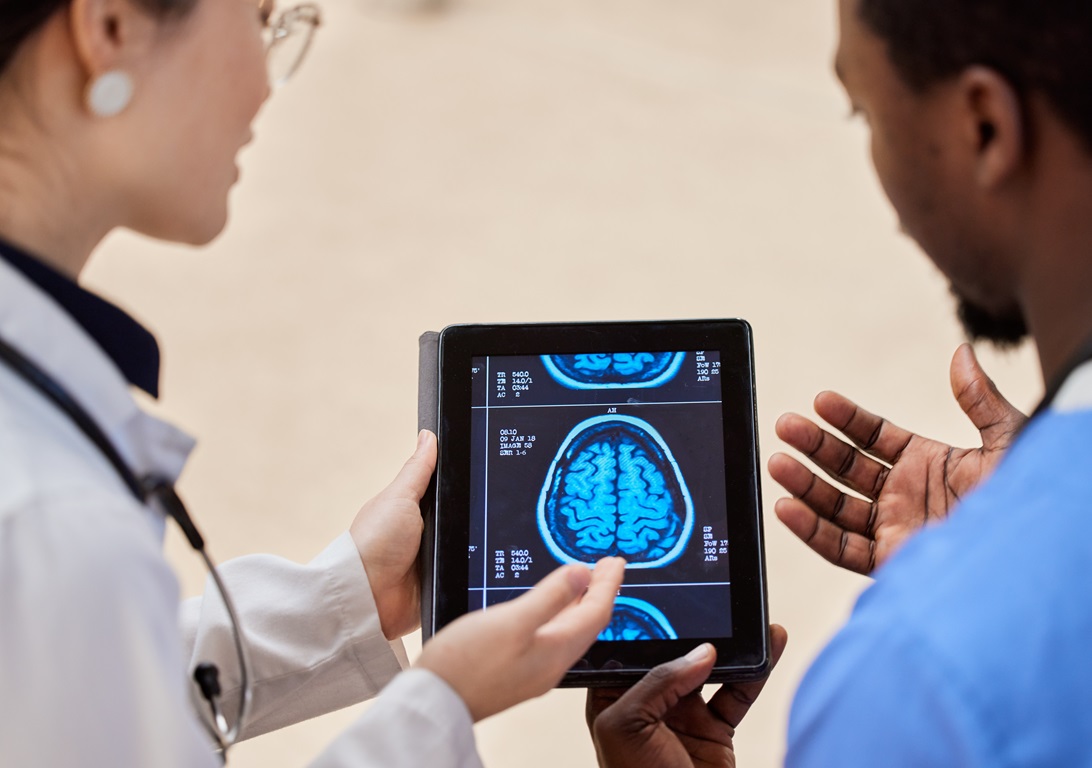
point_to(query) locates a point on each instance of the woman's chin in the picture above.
(194, 232)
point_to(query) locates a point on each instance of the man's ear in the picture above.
(994, 124)
(106, 34)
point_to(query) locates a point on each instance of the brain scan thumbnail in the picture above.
(637, 620)
(619, 370)
(614, 488)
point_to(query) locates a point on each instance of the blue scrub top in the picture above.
(974, 645)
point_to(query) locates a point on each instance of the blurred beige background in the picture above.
(533, 160)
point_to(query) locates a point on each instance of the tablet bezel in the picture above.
(744, 655)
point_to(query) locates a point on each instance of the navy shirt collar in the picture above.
(126, 342)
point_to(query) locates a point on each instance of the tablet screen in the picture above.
(566, 443)
(576, 457)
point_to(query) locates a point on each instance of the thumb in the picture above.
(994, 416)
(412, 480)
(653, 696)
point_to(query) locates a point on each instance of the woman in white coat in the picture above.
(129, 113)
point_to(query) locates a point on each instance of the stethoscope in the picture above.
(146, 490)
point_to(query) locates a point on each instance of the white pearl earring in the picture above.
(109, 93)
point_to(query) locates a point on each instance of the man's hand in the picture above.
(663, 721)
(387, 532)
(509, 653)
(906, 480)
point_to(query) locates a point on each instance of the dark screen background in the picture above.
(521, 416)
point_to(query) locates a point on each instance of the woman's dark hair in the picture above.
(1040, 46)
(20, 18)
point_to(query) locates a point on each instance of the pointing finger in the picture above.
(596, 605)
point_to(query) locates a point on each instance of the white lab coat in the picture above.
(93, 671)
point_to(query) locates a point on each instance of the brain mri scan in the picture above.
(620, 370)
(614, 488)
(635, 619)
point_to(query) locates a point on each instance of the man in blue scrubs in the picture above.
(972, 646)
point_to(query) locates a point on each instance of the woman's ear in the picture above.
(994, 124)
(108, 37)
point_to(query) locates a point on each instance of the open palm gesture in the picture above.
(905, 480)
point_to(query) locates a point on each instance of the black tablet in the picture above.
(565, 443)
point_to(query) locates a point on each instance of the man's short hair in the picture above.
(1039, 46)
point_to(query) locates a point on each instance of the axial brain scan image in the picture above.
(635, 619)
(614, 488)
(614, 371)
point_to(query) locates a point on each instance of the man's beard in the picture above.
(1006, 329)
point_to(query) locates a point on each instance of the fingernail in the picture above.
(422, 438)
(699, 654)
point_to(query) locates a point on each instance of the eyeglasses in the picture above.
(287, 37)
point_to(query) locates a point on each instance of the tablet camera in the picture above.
(635, 619)
(614, 488)
(621, 370)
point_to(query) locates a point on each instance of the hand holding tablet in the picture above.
(567, 443)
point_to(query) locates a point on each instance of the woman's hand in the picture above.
(663, 721)
(906, 480)
(506, 654)
(387, 533)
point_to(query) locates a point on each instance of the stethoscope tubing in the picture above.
(147, 490)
